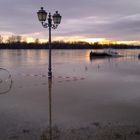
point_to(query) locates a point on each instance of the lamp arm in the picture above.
(54, 26)
(45, 25)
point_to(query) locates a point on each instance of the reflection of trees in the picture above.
(5, 81)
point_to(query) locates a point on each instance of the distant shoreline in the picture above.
(63, 45)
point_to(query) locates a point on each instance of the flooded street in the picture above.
(82, 92)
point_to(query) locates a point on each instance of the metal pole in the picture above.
(50, 67)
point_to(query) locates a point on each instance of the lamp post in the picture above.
(52, 23)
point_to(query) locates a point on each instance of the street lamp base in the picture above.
(50, 74)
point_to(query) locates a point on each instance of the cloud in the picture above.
(111, 19)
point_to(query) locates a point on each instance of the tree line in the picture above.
(15, 39)
(16, 42)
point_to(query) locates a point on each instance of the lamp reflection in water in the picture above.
(47, 135)
(50, 106)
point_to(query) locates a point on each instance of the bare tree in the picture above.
(37, 41)
(18, 39)
(11, 39)
(1, 39)
(14, 39)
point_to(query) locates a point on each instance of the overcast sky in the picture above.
(110, 19)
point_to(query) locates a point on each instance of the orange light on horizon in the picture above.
(89, 40)
(30, 38)
(99, 40)
(106, 41)
(129, 42)
(93, 40)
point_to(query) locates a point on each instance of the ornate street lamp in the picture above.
(52, 23)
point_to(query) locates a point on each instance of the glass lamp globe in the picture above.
(42, 15)
(56, 18)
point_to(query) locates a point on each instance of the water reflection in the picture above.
(109, 92)
(50, 106)
(130, 56)
(139, 56)
(47, 135)
(94, 59)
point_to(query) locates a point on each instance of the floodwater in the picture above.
(81, 92)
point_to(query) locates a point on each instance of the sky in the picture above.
(87, 20)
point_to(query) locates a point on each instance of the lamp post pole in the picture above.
(53, 22)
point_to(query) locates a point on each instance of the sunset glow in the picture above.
(30, 40)
(93, 40)
(89, 40)
(97, 23)
(32, 37)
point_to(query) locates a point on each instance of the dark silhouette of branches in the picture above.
(15, 42)
(14, 39)
(1, 39)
